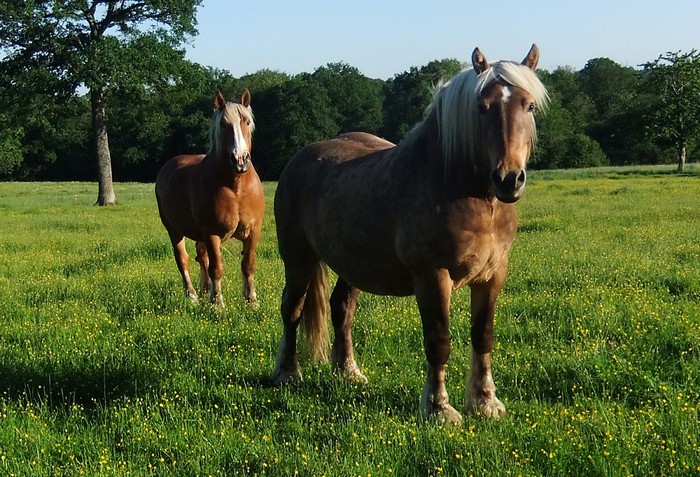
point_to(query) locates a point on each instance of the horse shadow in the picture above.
(329, 395)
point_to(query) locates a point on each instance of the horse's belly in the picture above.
(360, 249)
(376, 278)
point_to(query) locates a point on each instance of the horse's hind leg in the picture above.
(481, 390)
(248, 266)
(343, 302)
(203, 260)
(182, 260)
(287, 367)
(303, 288)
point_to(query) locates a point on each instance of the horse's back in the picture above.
(175, 171)
(312, 169)
(319, 157)
(365, 140)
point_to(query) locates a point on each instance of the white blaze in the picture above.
(240, 146)
(506, 94)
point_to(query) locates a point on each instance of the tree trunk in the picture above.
(105, 194)
(681, 158)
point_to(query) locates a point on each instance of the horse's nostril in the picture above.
(520, 180)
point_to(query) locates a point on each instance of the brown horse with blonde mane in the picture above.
(211, 198)
(422, 218)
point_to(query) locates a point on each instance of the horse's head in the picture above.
(506, 106)
(232, 132)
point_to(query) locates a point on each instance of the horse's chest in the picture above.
(479, 246)
(235, 225)
(223, 217)
(478, 262)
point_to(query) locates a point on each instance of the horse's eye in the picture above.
(531, 108)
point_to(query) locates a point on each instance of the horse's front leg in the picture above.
(481, 390)
(248, 265)
(433, 290)
(215, 270)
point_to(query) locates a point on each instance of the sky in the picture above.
(382, 38)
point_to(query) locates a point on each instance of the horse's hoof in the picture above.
(445, 414)
(488, 408)
(437, 408)
(282, 377)
(356, 377)
(218, 304)
(352, 374)
(191, 295)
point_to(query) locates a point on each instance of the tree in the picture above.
(158, 121)
(614, 90)
(609, 85)
(10, 146)
(675, 116)
(562, 141)
(357, 100)
(96, 44)
(31, 102)
(408, 94)
(303, 114)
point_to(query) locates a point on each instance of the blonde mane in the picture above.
(455, 104)
(232, 113)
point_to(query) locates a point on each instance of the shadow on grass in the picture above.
(60, 388)
(323, 393)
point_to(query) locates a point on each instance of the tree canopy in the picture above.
(603, 114)
(673, 84)
(99, 45)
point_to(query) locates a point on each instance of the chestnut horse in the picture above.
(422, 218)
(211, 198)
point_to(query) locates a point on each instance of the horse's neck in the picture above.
(421, 151)
(217, 171)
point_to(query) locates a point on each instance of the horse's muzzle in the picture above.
(508, 185)
(240, 164)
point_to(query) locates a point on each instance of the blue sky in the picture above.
(383, 38)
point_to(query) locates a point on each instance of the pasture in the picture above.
(107, 369)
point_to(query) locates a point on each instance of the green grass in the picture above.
(105, 369)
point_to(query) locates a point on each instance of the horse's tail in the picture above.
(315, 315)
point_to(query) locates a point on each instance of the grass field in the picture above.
(105, 369)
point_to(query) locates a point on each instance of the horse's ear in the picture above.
(533, 56)
(245, 98)
(479, 61)
(219, 101)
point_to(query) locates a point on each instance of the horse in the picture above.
(212, 197)
(422, 218)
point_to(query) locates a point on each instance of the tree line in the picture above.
(61, 95)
